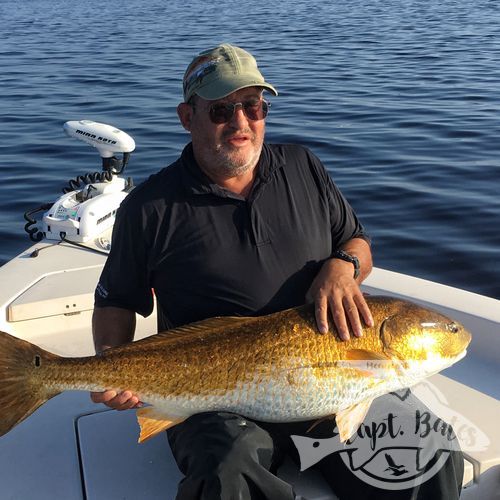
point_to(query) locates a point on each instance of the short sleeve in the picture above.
(125, 279)
(344, 223)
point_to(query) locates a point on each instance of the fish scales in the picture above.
(272, 368)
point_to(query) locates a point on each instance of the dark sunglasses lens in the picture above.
(255, 110)
(222, 113)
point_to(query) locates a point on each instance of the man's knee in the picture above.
(218, 441)
(216, 438)
(225, 456)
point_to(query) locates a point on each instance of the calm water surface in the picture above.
(399, 98)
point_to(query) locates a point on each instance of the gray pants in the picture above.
(229, 457)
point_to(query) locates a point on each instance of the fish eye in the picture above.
(453, 327)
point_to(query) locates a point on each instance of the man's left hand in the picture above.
(334, 289)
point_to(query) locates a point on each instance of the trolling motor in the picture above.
(89, 203)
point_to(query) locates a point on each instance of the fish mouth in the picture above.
(459, 356)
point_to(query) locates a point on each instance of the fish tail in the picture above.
(21, 387)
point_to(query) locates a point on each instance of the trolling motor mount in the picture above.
(89, 203)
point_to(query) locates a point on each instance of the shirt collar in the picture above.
(197, 182)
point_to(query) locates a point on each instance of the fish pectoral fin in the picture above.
(389, 360)
(364, 354)
(370, 367)
(351, 418)
(152, 422)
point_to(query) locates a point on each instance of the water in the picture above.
(399, 98)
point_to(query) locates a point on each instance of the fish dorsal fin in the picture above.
(364, 354)
(351, 418)
(152, 422)
(185, 333)
(207, 325)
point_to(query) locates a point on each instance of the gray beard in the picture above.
(227, 167)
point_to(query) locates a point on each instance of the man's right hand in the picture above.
(111, 327)
(118, 401)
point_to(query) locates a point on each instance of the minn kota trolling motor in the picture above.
(89, 203)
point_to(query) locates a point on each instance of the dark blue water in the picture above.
(399, 98)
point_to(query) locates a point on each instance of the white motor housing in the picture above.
(84, 214)
(107, 139)
(89, 205)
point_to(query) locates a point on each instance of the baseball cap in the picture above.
(218, 72)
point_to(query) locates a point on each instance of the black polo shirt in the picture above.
(208, 252)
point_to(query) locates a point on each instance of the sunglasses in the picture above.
(223, 112)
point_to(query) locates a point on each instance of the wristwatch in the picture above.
(340, 254)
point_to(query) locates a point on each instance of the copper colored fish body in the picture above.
(271, 368)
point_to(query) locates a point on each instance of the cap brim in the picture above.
(223, 89)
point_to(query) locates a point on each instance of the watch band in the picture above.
(340, 254)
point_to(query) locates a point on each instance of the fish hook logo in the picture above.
(399, 449)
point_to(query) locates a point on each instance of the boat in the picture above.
(72, 448)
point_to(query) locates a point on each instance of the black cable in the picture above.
(30, 227)
(36, 251)
(90, 178)
(63, 238)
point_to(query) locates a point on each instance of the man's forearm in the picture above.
(111, 327)
(360, 249)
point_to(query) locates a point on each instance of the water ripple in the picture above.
(398, 98)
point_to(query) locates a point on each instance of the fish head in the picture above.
(425, 337)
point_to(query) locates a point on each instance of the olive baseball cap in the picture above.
(218, 72)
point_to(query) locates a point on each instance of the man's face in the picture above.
(227, 149)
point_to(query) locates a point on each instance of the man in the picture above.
(234, 227)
